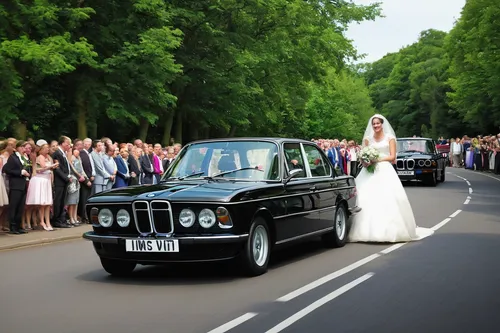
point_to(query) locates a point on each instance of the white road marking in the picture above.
(456, 213)
(468, 183)
(470, 190)
(320, 302)
(466, 202)
(233, 323)
(327, 278)
(392, 248)
(440, 224)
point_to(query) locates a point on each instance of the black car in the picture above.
(224, 199)
(418, 159)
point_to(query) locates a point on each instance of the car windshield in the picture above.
(419, 146)
(242, 160)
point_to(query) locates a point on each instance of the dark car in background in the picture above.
(418, 159)
(224, 199)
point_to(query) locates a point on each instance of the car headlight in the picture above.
(105, 218)
(187, 218)
(123, 218)
(206, 218)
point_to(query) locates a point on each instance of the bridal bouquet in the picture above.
(369, 156)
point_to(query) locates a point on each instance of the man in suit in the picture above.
(101, 175)
(61, 181)
(15, 168)
(89, 169)
(146, 162)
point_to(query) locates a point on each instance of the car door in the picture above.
(323, 187)
(300, 212)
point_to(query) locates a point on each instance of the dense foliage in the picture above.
(445, 84)
(185, 69)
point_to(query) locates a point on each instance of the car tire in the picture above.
(443, 176)
(257, 251)
(338, 236)
(432, 179)
(118, 267)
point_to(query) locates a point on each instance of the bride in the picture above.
(386, 214)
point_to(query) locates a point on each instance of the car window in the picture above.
(431, 147)
(293, 158)
(317, 163)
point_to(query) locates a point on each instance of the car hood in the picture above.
(413, 155)
(202, 191)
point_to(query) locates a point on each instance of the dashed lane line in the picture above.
(320, 302)
(441, 224)
(327, 278)
(233, 323)
(302, 290)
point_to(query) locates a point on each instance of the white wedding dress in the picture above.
(386, 214)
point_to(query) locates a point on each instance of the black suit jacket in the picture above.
(13, 169)
(62, 172)
(86, 164)
(147, 169)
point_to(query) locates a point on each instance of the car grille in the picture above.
(402, 164)
(153, 216)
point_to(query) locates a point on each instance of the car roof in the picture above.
(411, 138)
(277, 140)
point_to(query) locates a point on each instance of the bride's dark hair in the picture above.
(380, 119)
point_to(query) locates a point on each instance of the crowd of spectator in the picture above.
(46, 185)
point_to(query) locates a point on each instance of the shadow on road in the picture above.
(206, 273)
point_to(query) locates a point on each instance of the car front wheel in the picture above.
(255, 256)
(118, 267)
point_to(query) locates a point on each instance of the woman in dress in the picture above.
(40, 187)
(78, 176)
(386, 215)
(4, 198)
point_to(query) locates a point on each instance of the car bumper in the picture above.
(191, 248)
(416, 175)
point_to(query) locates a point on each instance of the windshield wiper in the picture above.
(235, 170)
(184, 177)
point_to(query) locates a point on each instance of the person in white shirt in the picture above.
(456, 149)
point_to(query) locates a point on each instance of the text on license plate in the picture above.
(406, 173)
(152, 245)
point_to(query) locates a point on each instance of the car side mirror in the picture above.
(293, 173)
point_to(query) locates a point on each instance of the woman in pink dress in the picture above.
(4, 198)
(40, 186)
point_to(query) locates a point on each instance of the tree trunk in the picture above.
(81, 109)
(20, 130)
(178, 126)
(143, 129)
(194, 131)
(169, 121)
(232, 131)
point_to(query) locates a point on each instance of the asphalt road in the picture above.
(449, 282)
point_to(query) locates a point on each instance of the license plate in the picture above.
(406, 173)
(152, 245)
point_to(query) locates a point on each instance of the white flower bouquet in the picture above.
(369, 156)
